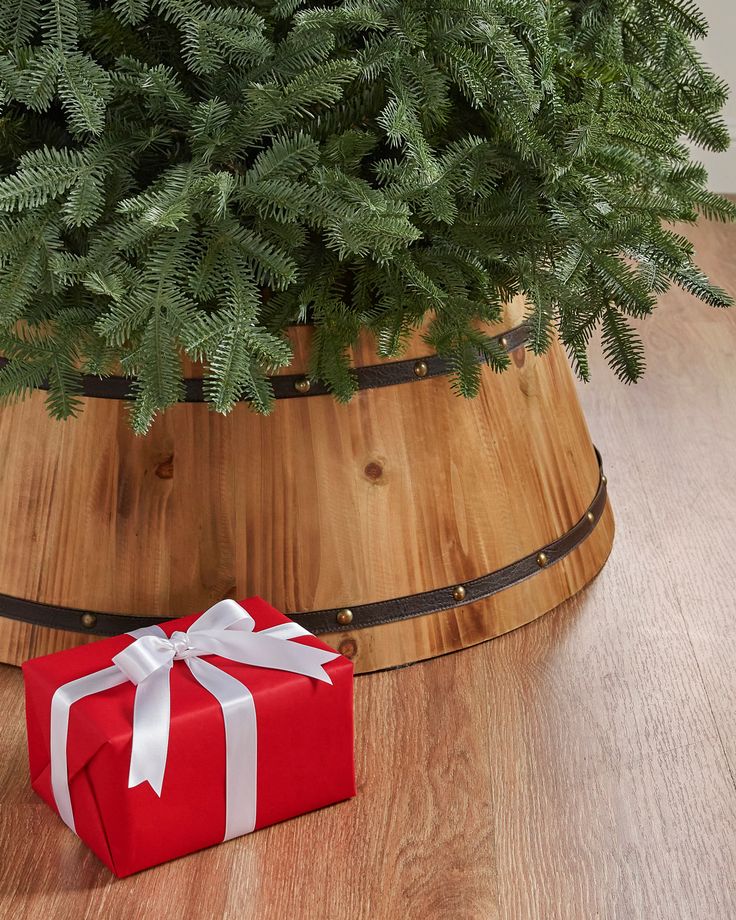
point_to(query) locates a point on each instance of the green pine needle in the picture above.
(187, 178)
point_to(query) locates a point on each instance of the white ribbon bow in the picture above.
(226, 629)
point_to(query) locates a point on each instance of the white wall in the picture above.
(719, 50)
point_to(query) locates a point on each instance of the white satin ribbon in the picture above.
(226, 629)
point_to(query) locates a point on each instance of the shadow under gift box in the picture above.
(304, 749)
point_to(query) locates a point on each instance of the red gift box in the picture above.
(298, 756)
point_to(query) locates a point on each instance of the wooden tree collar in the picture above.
(342, 618)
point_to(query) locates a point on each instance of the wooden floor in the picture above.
(582, 768)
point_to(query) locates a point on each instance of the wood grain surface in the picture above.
(579, 768)
(318, 506)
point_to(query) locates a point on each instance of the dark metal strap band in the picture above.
(358, 617)
(296, 386)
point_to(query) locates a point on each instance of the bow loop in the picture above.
(144, 657)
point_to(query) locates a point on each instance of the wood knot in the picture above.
(165, 469)
(373, 471)
(348, 648)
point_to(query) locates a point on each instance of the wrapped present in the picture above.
(172, 738)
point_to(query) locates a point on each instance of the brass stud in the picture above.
(302, 385)
(421, 369)
(504, 343)
(604, 480)
(89, 620)
(542, 560)
(345, 617)
(459, 593)
(590, 516)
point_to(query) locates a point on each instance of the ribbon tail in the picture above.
(151, 718)
(241, 749)
(265, 651)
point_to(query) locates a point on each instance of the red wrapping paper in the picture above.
(305, 749)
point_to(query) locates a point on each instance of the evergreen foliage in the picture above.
(190, 177)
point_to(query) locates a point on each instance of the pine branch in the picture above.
(178, 176)
(622, 346)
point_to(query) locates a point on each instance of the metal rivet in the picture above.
(590, 516)
(542, 560)
(504, 342)
(604, 480)
(89, 620)
(421, 369)
(344, 617)
(459, 593)
(302, 385)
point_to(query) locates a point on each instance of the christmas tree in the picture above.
(184, 177)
